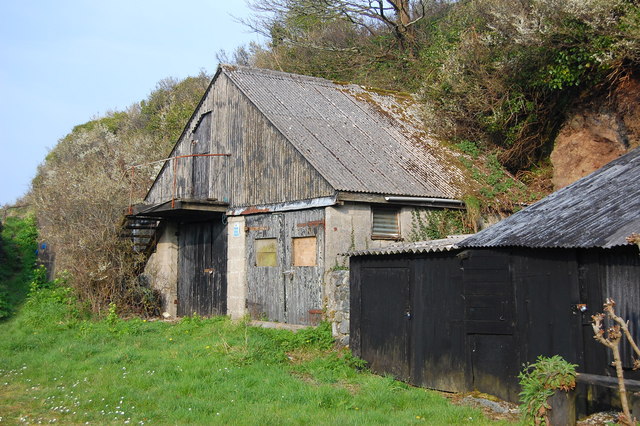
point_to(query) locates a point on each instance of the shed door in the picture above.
(202, 264)
(265, 266)
(490, 324)
(385, 319)
(285, 266)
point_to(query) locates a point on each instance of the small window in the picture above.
(304, 251)
(266, 252)
(385, 223)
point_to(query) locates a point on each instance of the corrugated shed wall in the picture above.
(263, 167)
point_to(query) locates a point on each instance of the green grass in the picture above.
(198, 371)
(57, 365)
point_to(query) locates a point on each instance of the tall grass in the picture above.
(18, 242)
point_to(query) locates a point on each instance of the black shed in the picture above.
(467, 313)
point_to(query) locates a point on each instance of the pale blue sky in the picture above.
(63, 62)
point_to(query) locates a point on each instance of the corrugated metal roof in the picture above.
(445, 244)
(599, 210)
(358, 140)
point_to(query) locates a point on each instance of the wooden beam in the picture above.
(607, 381)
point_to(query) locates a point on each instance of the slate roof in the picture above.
(445, 244)
(359, 140)
(599, 210)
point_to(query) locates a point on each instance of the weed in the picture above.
(435, 224)
(469, 147)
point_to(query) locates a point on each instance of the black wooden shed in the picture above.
(467, 313)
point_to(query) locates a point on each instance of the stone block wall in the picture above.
(337, 302)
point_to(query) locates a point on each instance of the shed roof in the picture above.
(599, 210)
(359, 140)
(445, 244)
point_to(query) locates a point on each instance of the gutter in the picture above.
(437, 202)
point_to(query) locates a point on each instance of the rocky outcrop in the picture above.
(596, 132)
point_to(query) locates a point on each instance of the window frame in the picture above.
(378, 210)
(257, 252)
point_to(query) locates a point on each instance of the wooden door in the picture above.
(385, 318)
(202, 264)
(265, 266)
(490, 324)
(303, 244)
(285, 265)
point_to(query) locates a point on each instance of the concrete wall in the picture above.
(236, 268)
(162, 269)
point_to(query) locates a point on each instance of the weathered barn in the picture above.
(275, 175)
(465, 314)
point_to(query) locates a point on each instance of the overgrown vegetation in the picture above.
(195, 371)
(81, 191)
(436, 224)
(18, 242)
(539, 381)
(498, 72)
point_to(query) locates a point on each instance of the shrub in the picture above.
(540, 380)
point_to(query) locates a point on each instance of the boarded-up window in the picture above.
(266, 252)
(385, 223)
(304, 251)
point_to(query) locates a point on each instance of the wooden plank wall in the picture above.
(263, 167)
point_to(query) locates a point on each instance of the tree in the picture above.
(611, 339)
(289, 21)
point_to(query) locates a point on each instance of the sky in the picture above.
(65, 62)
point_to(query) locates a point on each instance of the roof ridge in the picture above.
(227, 68)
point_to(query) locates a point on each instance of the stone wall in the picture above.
(337, 301)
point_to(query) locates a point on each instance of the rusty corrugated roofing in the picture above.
(599, 210)
(357, 139)
(445, 244)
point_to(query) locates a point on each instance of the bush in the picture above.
(18, 239)
(540, 380)
(49, 304)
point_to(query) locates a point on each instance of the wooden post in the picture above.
(634, 402)
(563, 408)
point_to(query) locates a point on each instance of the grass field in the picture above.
(58, 365)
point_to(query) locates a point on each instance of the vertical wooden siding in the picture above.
(263, 167)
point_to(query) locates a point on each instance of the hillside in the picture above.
(511, 78)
